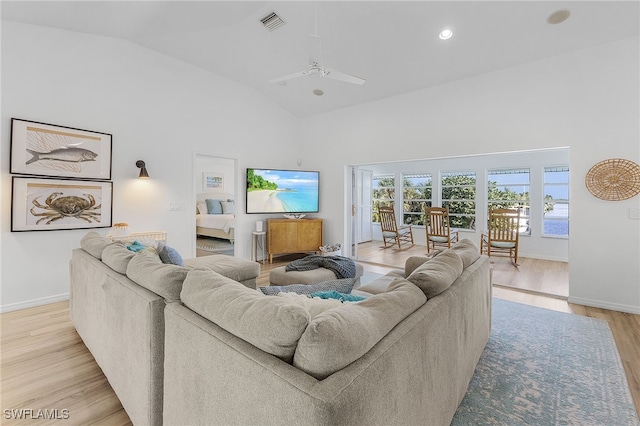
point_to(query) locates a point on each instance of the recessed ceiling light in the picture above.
(445, 34)
(318, 92)
(558, 17)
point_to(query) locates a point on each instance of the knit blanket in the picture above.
(342, 266)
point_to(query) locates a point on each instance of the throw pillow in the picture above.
(338, 337)
(94, 244)
(272, 324)
(314, 306)
(467, 251)
(342, 285)
(170, 255)
(342, 297)
(213, 206)
(202, 208)
(436, 275)
(228, 207)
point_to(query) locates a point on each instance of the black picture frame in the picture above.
(48, 204)
(42, 149)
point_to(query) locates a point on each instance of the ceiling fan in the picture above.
(316, 67)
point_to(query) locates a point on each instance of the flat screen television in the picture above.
(282, 191)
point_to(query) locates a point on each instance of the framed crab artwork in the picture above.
(49, 150)
(43, 204)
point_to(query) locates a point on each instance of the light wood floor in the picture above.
(531, 275)
(45, 365)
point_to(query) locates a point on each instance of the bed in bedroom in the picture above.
(215, 216)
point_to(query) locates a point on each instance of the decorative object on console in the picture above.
(294, 216)
(42, 149)
(143, 170)
(331, 249)
(43, 204)
(615, 179)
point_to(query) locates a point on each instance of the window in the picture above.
(416, 192)
(459, 194)
(556, 202)
(509, 188)
(383, 193)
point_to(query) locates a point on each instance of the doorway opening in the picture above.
(537, 180)
(214, 182)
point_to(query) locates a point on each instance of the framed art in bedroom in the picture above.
(212, 182)
(45, 204)
(42, 149)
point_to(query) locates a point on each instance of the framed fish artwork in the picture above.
(42, 149)
(48, 204)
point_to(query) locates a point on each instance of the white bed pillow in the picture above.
(202, 208)
(228, 207)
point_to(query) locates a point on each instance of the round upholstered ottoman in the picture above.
(278, 276)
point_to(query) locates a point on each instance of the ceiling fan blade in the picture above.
(289, 77)
(315, 49)
(347, 78)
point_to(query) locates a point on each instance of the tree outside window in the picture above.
(416, 193)
(509, 189)
(459, 194)
(384, 189)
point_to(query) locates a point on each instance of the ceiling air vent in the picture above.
(272, 21)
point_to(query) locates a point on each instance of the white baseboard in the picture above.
(604, 305)
(33, 303)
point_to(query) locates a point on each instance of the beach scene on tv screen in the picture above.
(281, 191)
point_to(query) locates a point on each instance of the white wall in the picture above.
(587, 100)
(158, 109)
(535, 245)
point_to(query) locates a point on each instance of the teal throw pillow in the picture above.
(135, 246)
(337, 295)
(213, 206)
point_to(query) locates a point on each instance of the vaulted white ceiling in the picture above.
(393, 45)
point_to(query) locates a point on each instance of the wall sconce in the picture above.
(143, 170)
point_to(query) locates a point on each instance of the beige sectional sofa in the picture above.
(222, 353)
(117, 302)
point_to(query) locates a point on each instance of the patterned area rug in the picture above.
(214, 245)
(543, 367)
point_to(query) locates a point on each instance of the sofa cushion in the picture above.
(343, 285)
(467, 251)
(337, 337)
(314, 306)
(117, 258)
(94, 244)
(381, 284)
(436, 275)
(163, 279)
(272, 324)
(231, 267)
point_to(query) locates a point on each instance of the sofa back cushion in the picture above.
(94, 244)
(436, 275)
(467, 251)
(272, 324)
(339, 336)
(162, 279)
(117, 257)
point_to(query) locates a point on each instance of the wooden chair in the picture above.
(502, 234)
(392, 233)
(437, 227)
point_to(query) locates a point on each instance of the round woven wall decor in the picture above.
(614, 179)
